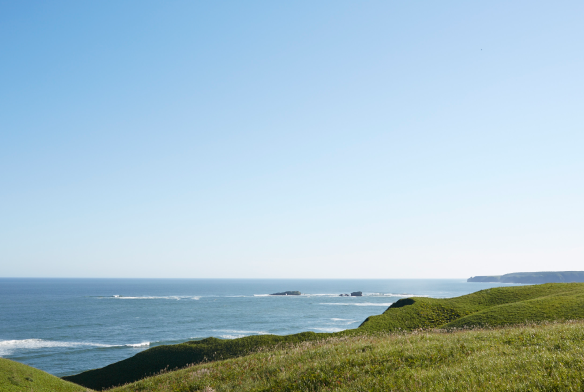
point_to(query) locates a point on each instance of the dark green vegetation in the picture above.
(156, 359)
(533, 277)
(493, 307)
(520, 358)
(16, 377)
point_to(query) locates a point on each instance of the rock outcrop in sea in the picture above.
(288, 293)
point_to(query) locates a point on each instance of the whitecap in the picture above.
(173, 297)
(143, 344)
(7, 347)
(232, 331)
(330, 329)
(321, 295)
(232, 336)
(344, 321)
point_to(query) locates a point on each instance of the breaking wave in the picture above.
(329, 329)
(173, 297)
(404, 295)
(7, 347)
(400, 295)
(234, 334)
(344, 321)
(238, 331)
(143, 344)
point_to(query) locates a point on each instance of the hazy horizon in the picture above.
(336, 139)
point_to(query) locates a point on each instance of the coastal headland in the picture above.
(533, 277)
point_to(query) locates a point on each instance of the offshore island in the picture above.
(506, 338)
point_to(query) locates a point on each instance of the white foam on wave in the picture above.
(330, 329)
(405, 295)
(301, 295)
(173, 297)
(344, 321)
(143, 344)
(356, 304)
(7, 347)
(321, 295)
(234, 331)
(235, 334)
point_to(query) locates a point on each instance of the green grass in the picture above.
(547, 357)
(160, 358)
(492, 307)
(17, 377)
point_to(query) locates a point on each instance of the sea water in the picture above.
(66, 326)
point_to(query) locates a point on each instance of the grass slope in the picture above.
(156, 359)
(520, 358)
(492, 307)
(16, 377)
(496, 306)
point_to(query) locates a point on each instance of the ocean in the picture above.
(66, 326)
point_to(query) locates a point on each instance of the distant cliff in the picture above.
(533, 277)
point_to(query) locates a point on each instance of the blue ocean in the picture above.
(66, 326)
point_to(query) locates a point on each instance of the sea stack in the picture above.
(357, 294)
(288, 293)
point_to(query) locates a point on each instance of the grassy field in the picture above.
(16, 377)
(492, 307)
(547, 357)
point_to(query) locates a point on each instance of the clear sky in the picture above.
(299, 139)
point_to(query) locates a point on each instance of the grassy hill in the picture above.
(492, 307)
(17, 377)
(497, 306)
(156, 359)
(520, 358)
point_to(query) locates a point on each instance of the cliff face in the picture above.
(533, 277)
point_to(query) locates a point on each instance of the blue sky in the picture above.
(303, 139)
